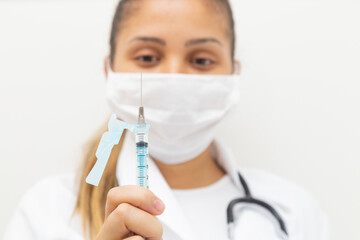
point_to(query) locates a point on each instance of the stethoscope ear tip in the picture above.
(231, 231)
(283, 235)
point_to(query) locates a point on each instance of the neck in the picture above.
(198, 172)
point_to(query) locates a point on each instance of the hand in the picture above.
(131, 209)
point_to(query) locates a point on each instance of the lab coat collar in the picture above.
(226, 160)
(173, 216)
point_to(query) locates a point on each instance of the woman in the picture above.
(190, 42)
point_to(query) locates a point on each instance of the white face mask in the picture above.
(182, 109)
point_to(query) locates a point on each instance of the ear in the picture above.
(106, 60)
(237, 67)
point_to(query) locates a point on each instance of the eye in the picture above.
(147, 59)
(202, 62)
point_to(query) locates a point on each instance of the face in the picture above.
(178, 36)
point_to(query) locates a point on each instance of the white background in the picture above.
(298, 117)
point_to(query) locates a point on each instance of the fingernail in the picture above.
(159, 205)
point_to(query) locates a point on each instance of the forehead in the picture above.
(175, 19)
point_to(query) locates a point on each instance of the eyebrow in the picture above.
(149, 39)
(201, 40)
(187, 43)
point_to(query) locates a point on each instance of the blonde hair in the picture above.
(91, 200)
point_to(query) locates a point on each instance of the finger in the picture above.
(137, 237)
(126, 219)
(135, 195)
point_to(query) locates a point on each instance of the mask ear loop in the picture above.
(108, 66)
(236, 68)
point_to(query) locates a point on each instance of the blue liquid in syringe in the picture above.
(142, 157)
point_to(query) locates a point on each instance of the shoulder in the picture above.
(58, 188)
(273, 186)
(46, 210)
(294, 203)
(278, 190)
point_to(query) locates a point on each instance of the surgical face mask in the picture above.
(182, 109)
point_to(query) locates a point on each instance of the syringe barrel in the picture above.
(142, 166)
(141, 139)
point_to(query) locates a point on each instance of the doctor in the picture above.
(186, 50)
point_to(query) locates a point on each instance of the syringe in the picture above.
(141, 139)
(112, 137)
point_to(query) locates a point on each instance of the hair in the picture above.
(91, 200)
(126, 7)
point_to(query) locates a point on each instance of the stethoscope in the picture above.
(250, 199)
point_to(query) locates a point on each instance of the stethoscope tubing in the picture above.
(251, 200)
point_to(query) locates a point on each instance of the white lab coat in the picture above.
(46, 210)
